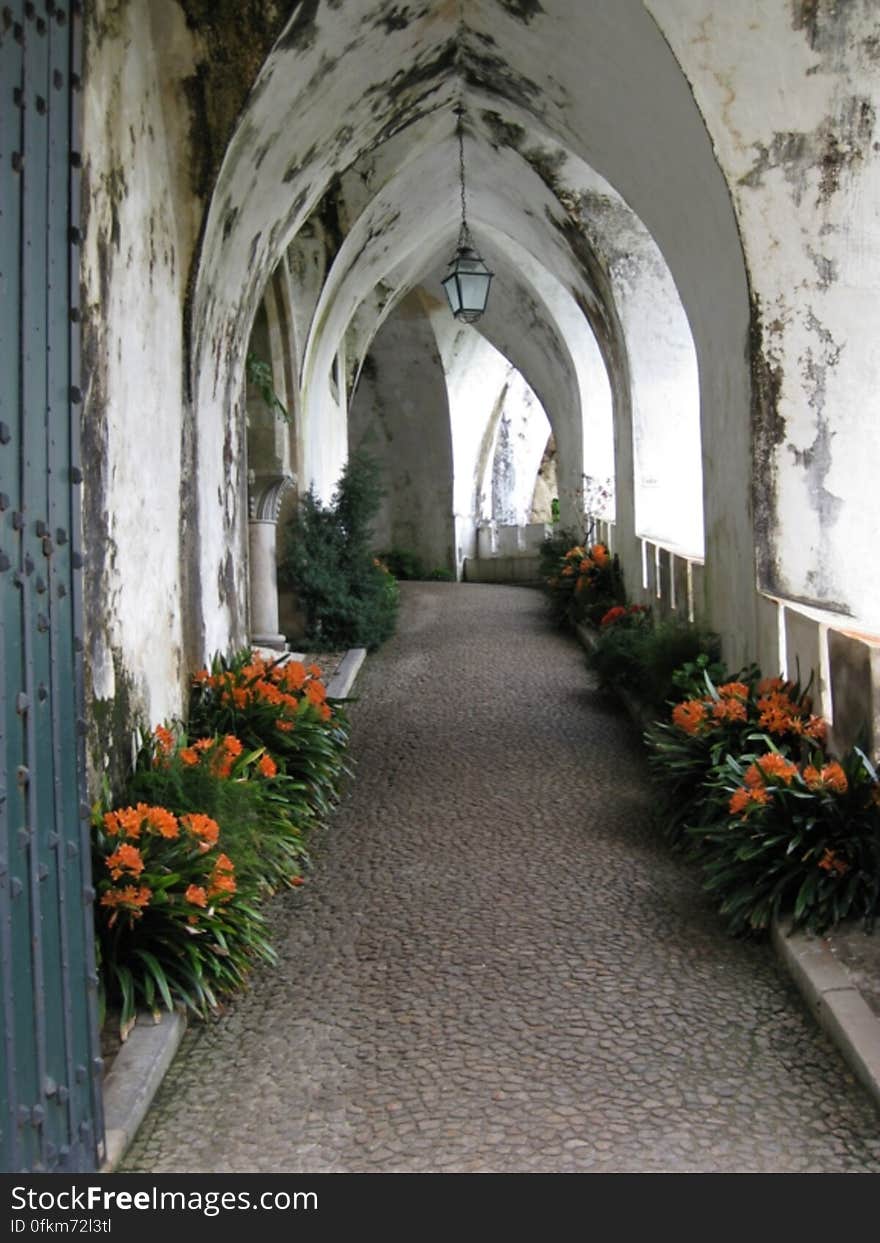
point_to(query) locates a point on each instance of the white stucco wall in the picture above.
(138, 241)
(790, 94)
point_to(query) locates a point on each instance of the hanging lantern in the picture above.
(467, 285)
(468, 280)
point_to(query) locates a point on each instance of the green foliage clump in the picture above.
(638, 654)
(406, 565)
(403, 564)
(348, 596)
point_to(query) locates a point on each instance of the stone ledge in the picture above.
(835, 1001)
(134, 1079)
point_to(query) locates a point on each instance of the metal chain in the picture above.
(463, 236)
(464, 227)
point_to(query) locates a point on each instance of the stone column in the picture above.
(266, 495)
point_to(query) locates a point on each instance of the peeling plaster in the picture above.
(768, 433)
(816, 460)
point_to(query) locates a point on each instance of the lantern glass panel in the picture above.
(474, 290)
(453, 293)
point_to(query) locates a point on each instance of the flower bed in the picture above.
(747, 788)
(214, 819)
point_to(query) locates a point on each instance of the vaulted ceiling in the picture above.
(584, 151)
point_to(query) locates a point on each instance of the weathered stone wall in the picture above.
(140, 231)
(790, 97)
(163, 86)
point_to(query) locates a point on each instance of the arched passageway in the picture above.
(618, 228)
(664, 218)
(496, 965)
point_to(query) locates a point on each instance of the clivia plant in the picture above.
(174, 926)
(798, 837)
(719, 715)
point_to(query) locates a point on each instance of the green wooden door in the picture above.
(50, 1112)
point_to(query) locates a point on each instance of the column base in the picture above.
(275, 641)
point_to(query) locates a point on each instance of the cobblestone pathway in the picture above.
(494, 966)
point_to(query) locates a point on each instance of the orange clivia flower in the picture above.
(745, 798)
(267, 766)
(129, 899)
(268, 691)
(315, 671)
(160, 820)
(733, 690)
(202, 827)
(831, 863)
(690, 715)
(189, 756)
(164, 738)
(567, 571)
(293, 675)
(812, 777)
(316, 692)
(816, 728)
(126, 822)
(124, 859)
(196, 895)
(577, 551)
(753, 778)
(222, 880)
(612, 615)
(777, 766)
(586, 565)
(129, 896)
(325, 711)
(778, 713)
(834, 778)
(600, 555)
(729, 710)
(769, 686)
(284, 726)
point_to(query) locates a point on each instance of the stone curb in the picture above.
(342, 681)
(835, 1002)
(134, 1079)
(143, 1059)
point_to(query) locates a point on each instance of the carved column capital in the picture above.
(265, 494)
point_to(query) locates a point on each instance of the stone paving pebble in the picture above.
(495, 965)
